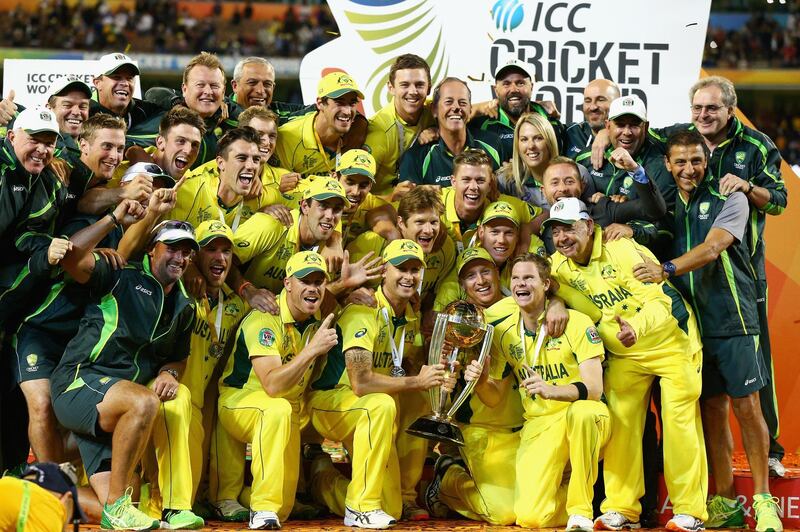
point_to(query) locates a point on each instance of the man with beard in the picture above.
(263, 386)
(98, 387)
(203, 91)
(712, 270)
(176, 147)
(513, 86)
(114, 84)
(396, 127)
(650, 331)
(313, 143)
(597, 98)
(433, 163)
(355, 399)
(627, 128)
(182, 425)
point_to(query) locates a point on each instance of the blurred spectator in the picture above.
(158, 26)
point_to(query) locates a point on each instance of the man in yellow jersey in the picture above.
(474, 187)
(419, 219)
(649, 331)
(560, 382)
(354, 398)
(175, 151)
(180, 427)
(498, 233)
(264, 245)
(265, 122)
(219, 189)
(396, 127)
(263, 385)
(313, 143)
(472, 487)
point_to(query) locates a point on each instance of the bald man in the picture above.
(597, 97)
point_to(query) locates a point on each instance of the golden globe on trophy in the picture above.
(459, 327)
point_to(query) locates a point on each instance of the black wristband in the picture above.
(583, 393)
(749, 190)
(113, 218)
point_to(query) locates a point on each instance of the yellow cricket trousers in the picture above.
(366, 426)
(272, 427)
(175, 428)
(627, 389)
(486, 492)
(575, 435)
(411, 450)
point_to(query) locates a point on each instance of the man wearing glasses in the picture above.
(138, 330)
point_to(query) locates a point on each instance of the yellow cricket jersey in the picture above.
(462, 233)
(369, 328)
(450, 287)
(267, 245)
(385, 144)
(558, 358)
(300, 150)
(114, 182)
(271, 177)
(262, 334)
(355, 224)
(45, 511)
(202, 362)
(438, 264)
(197, 199)
(664, 323)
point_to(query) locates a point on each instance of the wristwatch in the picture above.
(669, 268)
(171, 371)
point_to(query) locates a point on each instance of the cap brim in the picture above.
(304, 272)
(473, 259)
(397, 261)
(642, 118)
(322, 196)
(359, 171)
(42, 130)
(503, 72)
(342, 92)
(500, 217)
(168, 180)
(74, 86)
(173, 236)
(551, 221)
(109, 72)
(210, 238)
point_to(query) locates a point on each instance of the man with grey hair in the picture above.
(746, 160)
(253, 82)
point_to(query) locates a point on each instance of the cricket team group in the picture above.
(204, 289)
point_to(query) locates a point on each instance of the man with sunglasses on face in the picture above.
(138, 330)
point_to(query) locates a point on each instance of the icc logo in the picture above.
(507, 14)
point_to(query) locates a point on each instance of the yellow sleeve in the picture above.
(364, 243)
(656, 305)
(286, 143)
(447, 291)
(359, 328)
(583, 337)
(257, 235)
(375, 143)
(186, 198)
(263, 334)
(537, 246)
(270, 195)
(576, 300)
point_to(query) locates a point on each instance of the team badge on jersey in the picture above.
(266, 337)
(704, 206)
(608, 272)
(593, 336)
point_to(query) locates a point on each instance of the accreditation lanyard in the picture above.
(236, 218)
(397, 352)
(325, 159)
(401, 140)
(294, 332)
(523, 341)
(216, 326)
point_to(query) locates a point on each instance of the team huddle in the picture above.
(193, 278)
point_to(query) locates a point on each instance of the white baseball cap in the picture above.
(567, 211)
(68, 83)
(174, 231)
(37, 120)
(151, 169)
(628, 105)
(512, 65)
(110, 63)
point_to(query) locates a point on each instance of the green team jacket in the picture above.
(751, 155)
(503, 128)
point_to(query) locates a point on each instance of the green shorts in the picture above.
(37, 353)
(733, 366)
(76, 409)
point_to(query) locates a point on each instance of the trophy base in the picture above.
(437, 429)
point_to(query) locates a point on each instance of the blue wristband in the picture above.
(639, 175)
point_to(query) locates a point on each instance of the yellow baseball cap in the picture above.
(213, 229)
(322, 188)
(357, 162)
(500, 209)
(470, 254)
(304, 263)
(337, 84)
(399, 251)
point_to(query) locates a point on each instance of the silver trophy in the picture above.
(459, 327)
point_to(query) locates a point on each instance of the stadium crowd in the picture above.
(208, 270)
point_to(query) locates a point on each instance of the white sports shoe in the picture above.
(614, 521)
(580, 523)
(375, 519)
(230, 510)
(776, 468)
(264, 520)
(685, 523)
